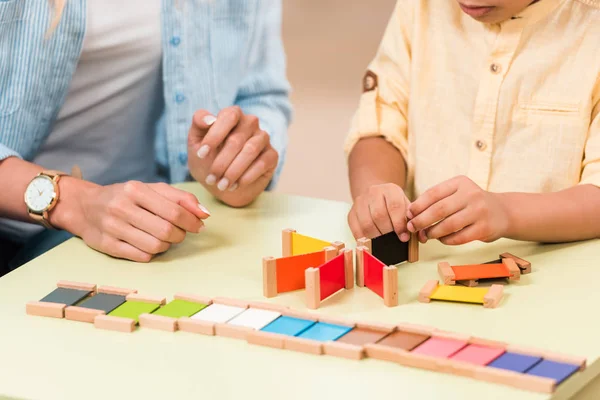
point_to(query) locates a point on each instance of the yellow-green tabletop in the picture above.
(554, 308)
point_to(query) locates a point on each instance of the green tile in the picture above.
(133, 309)
(179, 308)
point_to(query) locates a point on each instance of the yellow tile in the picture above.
(304, 244)
(459, 293)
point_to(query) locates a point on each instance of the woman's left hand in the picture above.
(458, 211)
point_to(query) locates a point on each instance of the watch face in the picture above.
(39, 193)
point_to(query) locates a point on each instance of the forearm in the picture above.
(375, 161)
(569, 215)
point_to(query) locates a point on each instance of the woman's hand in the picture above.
(230, 155)
(133, 220)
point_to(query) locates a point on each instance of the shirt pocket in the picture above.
(12, 83)
(233, 27)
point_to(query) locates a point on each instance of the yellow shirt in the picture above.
(514, 106)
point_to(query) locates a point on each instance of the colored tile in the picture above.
(302, 244)
(362, 336)
(66, 296)
(290, 270)
(440, 347)
(515, 362)
(373, 273)
(324, 332)
(255, 318)
(133, 309)
(180, 308)
(482, 271)
(459, 293)
(218, 313)
(104, 302)
(479, 355)
(554, 370)
(403, 340)
(288, 326)
(389, 249)
(332, 276)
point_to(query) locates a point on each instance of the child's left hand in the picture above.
(458, 211)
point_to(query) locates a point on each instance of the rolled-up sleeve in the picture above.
(383, 106)
(590, 169)
(6, 152)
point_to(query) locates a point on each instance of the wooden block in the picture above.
(187, 324)
(390, 286)
(300, 315)
(269, 277)
(488, 343)
(330, 253)
(360, 266)
(548, 355)
(232, 331)
(267, 306)
(265, 339)
(82, 314)
(303, 345)
(286, 242)
(415, 328)
(344, 350)
(446, 273)
(146, 299)
(76, 285)
(468, 283)
(339, 246)
(515, 379)
(402, 357)
(337, 321)
(114, 323)
(458, 368)
(493, 296)
(524, 265)
(313, 288)
(413, 248)
(385, 353)
(159, 322)
(230, 302)
(427, 291)
(513, 269)
(450, 335)
(348, 268)
(115, 290)
(42, 309)
(193, 298)
(365, 242)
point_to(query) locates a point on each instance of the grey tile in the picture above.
(103, 301)
(66, 296)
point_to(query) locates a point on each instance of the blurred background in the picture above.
(328, 44)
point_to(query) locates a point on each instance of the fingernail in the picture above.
(209, 120)
(204, 209)
(404, 237)
(223, 184)
(203, 151)
(201, 228)
(408, 213)
(233, 187)
(211, 179)
(410, 227)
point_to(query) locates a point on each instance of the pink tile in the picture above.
(479, 355)
(440, 347)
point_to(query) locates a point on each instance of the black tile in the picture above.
(498, 261)
(66, 296)
(103, 301)
(389, 249)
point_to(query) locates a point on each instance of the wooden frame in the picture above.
(478, 271)
(413, 247)
(490, 300)
(390, 276)
(312, 278)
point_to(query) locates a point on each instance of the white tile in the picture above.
(255, 318)
(218, 313)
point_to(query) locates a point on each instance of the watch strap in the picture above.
(41, 219)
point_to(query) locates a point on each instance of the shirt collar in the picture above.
(537, 11)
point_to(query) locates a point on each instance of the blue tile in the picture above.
(552, 369)
(288, 326)
(325, 332)
(515, 362)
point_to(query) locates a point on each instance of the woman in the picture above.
(110, 88)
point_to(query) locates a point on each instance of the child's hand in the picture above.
(458, 211)
(381, 209)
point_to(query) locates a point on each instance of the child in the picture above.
(487, 112)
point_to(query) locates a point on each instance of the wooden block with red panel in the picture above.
(328, 279)
(380, 278)
(469, 275)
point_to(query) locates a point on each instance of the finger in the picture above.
(397, 204)
(367, 225)
(354, 225)
(201, 122)
(463, 236)
(145, 197)
(436, 212)
(155, 226)
(226, 120)
(183, 198)
(249, 153)
(432, 196)
(263, 166)
(119, 249)
(121, 230)
(379, 212)
(448, 226)
(422, 237)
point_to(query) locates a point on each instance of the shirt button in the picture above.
(183, 158)
(495, 68)
(175, 40)
(480, 145)
(179, 98)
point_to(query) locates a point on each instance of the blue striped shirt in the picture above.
(216, 53)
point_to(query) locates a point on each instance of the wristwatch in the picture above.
(42, 195)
